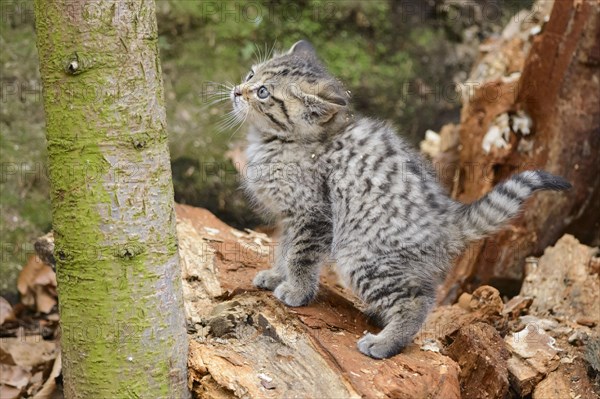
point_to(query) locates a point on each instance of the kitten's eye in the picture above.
(250, 75)
(262, 92)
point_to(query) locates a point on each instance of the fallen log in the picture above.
(245, 343)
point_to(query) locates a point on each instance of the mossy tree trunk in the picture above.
(121, 309)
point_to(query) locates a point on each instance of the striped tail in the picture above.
(491, 212)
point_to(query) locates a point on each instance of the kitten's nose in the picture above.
(237, 91)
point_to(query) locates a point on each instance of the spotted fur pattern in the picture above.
(349, 188)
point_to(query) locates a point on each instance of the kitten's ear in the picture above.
(323, 104)
(304, 49)
(332, 95)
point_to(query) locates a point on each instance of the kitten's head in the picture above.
(292, 95)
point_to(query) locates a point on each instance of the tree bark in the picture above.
(121, 307)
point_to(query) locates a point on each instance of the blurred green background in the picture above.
(400, 59)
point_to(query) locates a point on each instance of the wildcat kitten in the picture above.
(348, 187)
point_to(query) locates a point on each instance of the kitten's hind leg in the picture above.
(403, 319)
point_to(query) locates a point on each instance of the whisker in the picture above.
(272, 49)
(240, 125)
(229, 120)
(233, 118)
(260, 58)
(214, 102)
(220, 92)
(256, 57)
(215, 98)
(221, 84)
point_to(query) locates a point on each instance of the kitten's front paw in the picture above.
(267, 279)
(293, 296)
(377, 347)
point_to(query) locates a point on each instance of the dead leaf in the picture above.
(44, 301)
(30, 351)
(28, 274)
(35, 383)
(45, 276)
(50, 384)
(6, 357)
(6, 311)
(15, 376)
(37, 285)
(8, 392)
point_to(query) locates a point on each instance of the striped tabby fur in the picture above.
(348, 187)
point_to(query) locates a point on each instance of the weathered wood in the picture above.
(555, 385)
(245, 343)
(546, 352)
(482, 356)
(563, 284)
(534, 355)
(571, 379)
(555, 86)
(484, 305)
